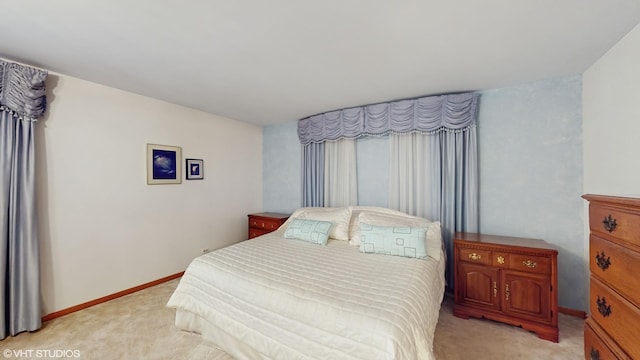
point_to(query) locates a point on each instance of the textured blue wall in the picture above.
(281, 168)
(530, 155)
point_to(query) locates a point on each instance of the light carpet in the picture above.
(139, 326)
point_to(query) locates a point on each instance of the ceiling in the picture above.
(267, 62)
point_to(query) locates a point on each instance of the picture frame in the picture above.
(164, 164)
(195, 169)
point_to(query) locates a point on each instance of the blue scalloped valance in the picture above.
(22, 90)
(432, 114)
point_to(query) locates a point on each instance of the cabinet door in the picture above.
(478, 286)
(527, 295)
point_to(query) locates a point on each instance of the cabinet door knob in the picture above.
(475, 256)
(495, 289)
(609, 223)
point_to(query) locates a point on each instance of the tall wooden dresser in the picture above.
(613, 329)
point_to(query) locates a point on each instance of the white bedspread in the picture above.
(288, 299)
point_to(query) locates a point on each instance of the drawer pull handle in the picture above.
(595, 354)
(475, 256)
(529, 264)
(500, 260)
(506, 292)
(609, 223)
(602, 262)
(603, 308)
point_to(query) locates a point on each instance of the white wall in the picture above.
(611, 98)
(611, 124)
(102, 228)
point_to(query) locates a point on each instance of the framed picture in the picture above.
(164, 164)
(195, 169)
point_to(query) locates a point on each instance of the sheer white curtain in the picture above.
(410, 174)
(436, 177)
(340, 173)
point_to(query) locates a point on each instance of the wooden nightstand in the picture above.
(507, 279)
(264, 223)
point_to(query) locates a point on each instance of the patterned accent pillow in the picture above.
(393, 240)
(313, 231)
(434, 237)
(338, 216)
(354, 224)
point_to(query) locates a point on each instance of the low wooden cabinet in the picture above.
(507, 279)
(264, 223)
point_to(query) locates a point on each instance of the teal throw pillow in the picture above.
(313, 231)
(393, 240)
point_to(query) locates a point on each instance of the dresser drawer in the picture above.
(616, 266)
(595, 344)
(262, 223)
(528, 263)
(621, 224)
(475, 256)
(618, 317)
(255, 232)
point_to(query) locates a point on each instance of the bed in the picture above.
(275, 297)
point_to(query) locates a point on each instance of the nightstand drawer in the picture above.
(264, 223)
(475, 256)
(254, 232)
(528, 263)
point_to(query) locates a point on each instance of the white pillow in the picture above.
(338, 216)
(433, 237)
(354, 225)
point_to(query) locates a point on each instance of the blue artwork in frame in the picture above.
(164, 164)
(195, 169)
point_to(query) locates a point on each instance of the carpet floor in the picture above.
(139, 326)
